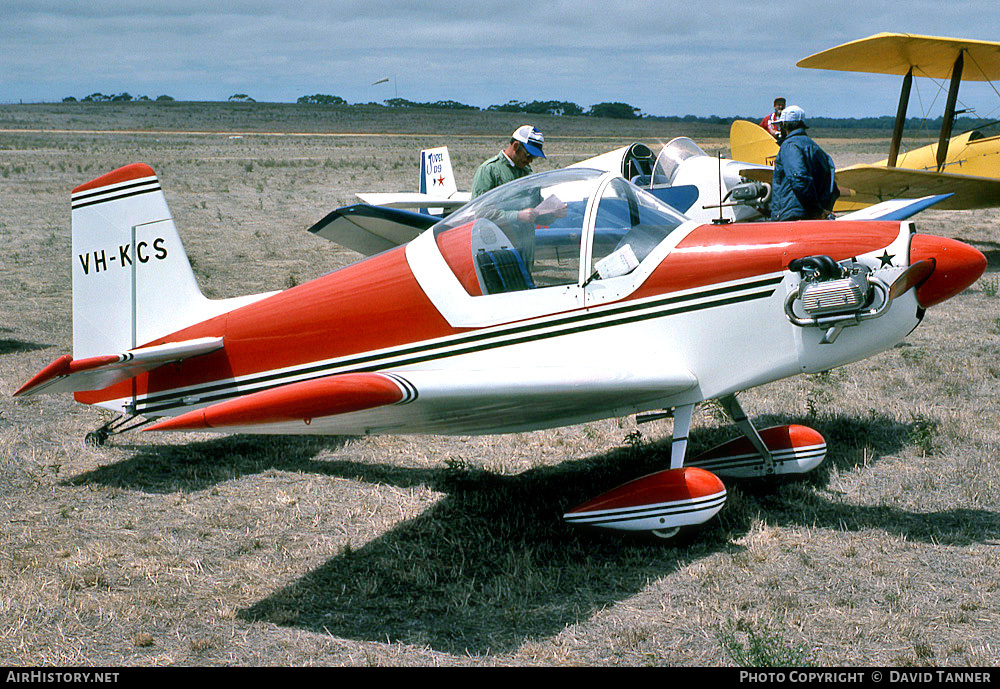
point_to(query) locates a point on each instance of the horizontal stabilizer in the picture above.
(372, 229)
(896, 53)
(302, 401)
(98, 372)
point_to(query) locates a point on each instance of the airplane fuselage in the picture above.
(712, 304)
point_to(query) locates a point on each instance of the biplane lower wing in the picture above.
(868, 185)
(860, 206)
(864, 185)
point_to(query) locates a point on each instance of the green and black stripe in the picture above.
(578, 322)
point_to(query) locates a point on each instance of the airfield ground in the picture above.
(183, 549)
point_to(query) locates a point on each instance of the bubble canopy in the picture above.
(563, 227)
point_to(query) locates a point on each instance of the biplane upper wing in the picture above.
(896, 53)
(66, 374)
(925, 171)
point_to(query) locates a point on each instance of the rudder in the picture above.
(132, 281)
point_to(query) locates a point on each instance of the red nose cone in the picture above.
(956, 266)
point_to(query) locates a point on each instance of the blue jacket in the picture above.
(803, 185)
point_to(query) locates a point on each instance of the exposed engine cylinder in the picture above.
(833, 296)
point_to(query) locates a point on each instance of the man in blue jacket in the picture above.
(803, 185)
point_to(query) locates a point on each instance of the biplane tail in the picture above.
(132, 281)
(751, 143)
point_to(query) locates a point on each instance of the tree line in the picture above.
(616, 110)
(123, 97)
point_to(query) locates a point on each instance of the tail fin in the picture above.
(751, 143)
(436, 177)
(132, 281)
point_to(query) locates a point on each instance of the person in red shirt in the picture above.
(770, 123)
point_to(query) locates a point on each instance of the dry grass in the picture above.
(243, 550)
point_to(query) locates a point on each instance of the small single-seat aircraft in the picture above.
(705, 188)
(610, 303)
(966, 166)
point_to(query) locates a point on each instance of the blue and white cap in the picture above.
(531, 139)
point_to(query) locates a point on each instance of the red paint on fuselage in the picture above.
(370, 305)
(719, 253)
(455, 246)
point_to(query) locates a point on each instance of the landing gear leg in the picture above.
(666, 504)
(682, 425)
(119, 424)
(678, 448)
(735, 411)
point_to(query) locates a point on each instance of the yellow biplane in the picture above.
(967, 165)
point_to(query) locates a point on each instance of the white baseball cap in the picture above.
(531, 139)
(792, 113)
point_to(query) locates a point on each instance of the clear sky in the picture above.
(667, 57)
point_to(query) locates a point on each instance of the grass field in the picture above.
(184, 549)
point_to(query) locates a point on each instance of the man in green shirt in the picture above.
(517, 221)
(512, 162)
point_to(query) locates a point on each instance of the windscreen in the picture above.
(672, 155)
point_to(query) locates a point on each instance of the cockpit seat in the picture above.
(503, 270)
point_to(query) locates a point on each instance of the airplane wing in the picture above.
(863, 185)
(896, 209)
(434, 400)
(412, 199)
(96, 373)
(372, 229)
(895, 53)
(301, 401)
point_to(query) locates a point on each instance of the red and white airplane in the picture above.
(560, 298)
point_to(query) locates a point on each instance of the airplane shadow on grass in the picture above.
(9, 346)
(491, 565)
